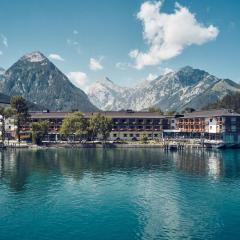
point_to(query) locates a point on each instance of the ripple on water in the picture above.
(119, 194)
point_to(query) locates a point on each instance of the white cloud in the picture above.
(95, 64)
(72, 42)
(56, 57)
(78, 79)
(122, 65)
(4, 40)
(167, 70)
(75, 32)
(151, 76)
(168, 34)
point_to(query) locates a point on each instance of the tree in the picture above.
(105, 127)
(20, 107)
(39, 130)
(188, 110)
(94, 125)
(171, 113)
(155, 109)
(5, 113)
(99, 124)
(143, 138)
(74, 124)
(230, 101)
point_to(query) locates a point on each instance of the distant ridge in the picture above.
(174, 91)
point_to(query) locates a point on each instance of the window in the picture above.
(150, 135)
(233, 128)
(131, 135)
(137, 135)
(173, 121)
(210, 120)
(155, 135)
(124, 135)
(114, 135)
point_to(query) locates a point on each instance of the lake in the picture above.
(119, 194)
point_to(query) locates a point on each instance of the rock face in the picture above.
(187, 87)
(2, 71)
(38, 80)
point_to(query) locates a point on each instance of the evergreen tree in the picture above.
(19, 105)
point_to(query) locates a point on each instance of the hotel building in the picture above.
(127, 125)
(130, 125)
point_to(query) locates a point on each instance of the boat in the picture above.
(214, 144)
(2, 146)
(173, 147)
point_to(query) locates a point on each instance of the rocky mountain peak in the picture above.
(190, 76)
(34, 57)
(38, 80)
(187, 87)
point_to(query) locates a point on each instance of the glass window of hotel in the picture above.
(149, 135)
(137, 135)
(125, 135)
(155, 135)
(114, 135)
(131, 135)
(210, 120)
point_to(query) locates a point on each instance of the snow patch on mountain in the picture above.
(187, 87)
(34, 57)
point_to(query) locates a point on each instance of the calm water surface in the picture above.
(119, 194)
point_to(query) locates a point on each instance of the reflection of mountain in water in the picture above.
(17, 166)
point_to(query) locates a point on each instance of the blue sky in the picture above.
(90, 39)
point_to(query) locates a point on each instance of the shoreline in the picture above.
(179, 147)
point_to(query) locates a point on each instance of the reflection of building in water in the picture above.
(7, 163)
(200, 162)
(215, 166)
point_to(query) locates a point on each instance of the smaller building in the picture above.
(223, 124)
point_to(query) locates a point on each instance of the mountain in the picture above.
(2, 71)
(107, 95)
(187, 87)
(230, 101)
(38, 80)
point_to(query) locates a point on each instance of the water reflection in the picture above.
(17, 166)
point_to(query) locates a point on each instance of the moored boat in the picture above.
(214, 144)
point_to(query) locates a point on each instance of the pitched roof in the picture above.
(212, 113)
(111, 114)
